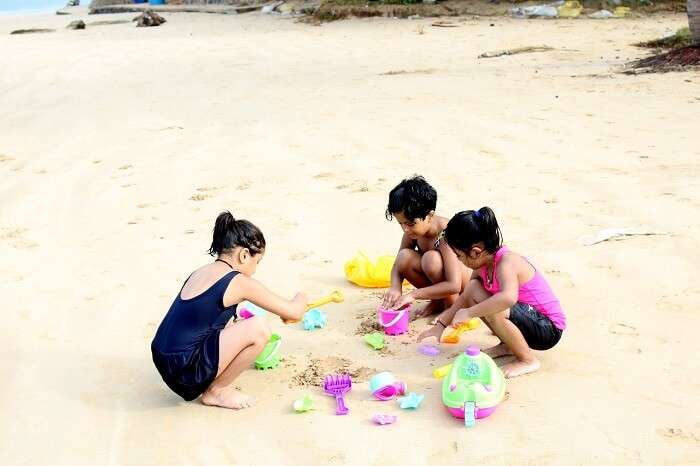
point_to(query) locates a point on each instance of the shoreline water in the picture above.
(20, 8)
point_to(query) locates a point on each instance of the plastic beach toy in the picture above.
(338, 385)
(384, 386)
(304, 404)
(395, 322)
(411, 401)
(375, 340)
(246, 310)
(453, 337)
(442, 371)
(314, 318)
(473, 387)
(269, 359)
(384, 419)
(361, 271)
(335, 297)
(429, 350)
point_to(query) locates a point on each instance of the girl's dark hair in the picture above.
(414, 197)
(229, 233)
(469, 227)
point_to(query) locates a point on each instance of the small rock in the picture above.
(78, 24)
(149, 18)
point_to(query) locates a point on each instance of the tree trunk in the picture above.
(694, 20)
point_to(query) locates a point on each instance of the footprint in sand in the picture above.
(324, 175)
(16, 237)
(674, 432)
(205, 192)
(297, 256)
(126, 167)
(135, 221)
(243, 185)
(624, 329)
(6, 158)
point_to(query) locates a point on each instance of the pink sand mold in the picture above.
(338, 385)
(429, 350)
(384, 419)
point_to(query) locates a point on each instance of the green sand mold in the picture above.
(269, 359)
(375, 340)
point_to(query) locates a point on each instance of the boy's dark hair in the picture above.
(229, 233)
(469, 227)
(414, 197)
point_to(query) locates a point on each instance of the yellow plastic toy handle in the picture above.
(441, 372)
(335, 297)
(453, 337)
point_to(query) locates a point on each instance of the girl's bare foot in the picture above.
(433, 307)
(226, 398)
(517, 368)
(498, 351)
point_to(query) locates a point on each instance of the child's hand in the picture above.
(434, 331)
(461, 317)
(390, 298)
(404, 300)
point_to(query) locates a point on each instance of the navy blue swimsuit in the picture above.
(186, 346)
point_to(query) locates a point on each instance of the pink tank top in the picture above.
(536, 292)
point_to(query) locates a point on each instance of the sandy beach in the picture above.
(120, 145)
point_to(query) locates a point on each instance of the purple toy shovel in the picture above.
(337, 385)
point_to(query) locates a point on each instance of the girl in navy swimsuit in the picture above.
(199, 349)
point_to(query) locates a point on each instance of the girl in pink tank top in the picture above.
(505, 290)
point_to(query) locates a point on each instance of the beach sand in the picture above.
(120, 145)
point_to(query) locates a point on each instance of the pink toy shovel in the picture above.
(337, 385)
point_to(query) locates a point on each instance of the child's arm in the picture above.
(446, 317)
(255, 292)
(507, 274)
(395, 289)
(449, 286)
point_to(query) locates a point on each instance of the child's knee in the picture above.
(405, 258)
(432, 266)
(261, 332)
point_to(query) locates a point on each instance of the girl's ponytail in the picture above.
(491, 232)
(469, 227)
(229, 233)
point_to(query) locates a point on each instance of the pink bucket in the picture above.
(395, 322)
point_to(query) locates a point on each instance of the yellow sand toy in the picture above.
(335, 297)
(453, 337)
(363, 272)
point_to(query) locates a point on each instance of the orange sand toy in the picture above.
(453, 337)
